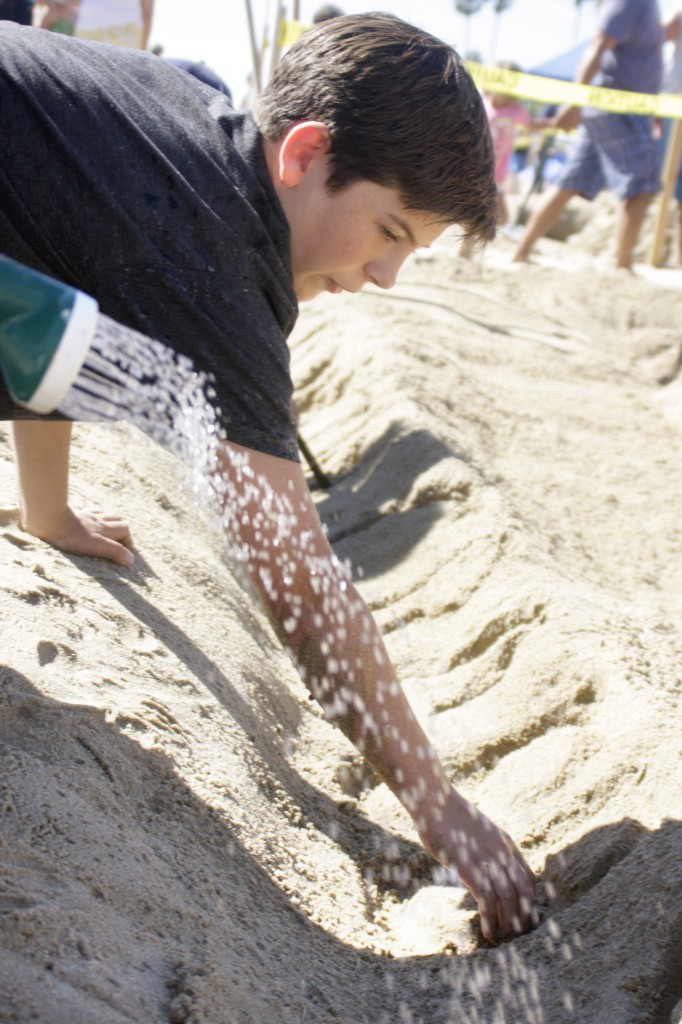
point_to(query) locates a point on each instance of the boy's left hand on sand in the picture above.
(88, 532)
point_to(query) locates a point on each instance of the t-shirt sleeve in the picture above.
(618, 18)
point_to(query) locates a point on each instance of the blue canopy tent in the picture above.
(564, 66)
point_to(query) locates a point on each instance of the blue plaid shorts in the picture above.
(614, 151)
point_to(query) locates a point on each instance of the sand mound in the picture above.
(184, 838)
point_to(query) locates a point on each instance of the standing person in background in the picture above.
(505, 115)
(57, 15)
(616, 151)
(121, 22)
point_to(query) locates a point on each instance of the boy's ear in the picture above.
(302, 144)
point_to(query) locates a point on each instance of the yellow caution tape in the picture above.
(552, 90)
(547, 90)
(291, 30)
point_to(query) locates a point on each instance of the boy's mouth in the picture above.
(333, 287)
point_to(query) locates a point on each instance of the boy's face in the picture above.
(361, 234)
(340, 240)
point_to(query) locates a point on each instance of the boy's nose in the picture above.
(384, 272)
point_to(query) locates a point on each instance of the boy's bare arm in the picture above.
(326, 625)
(42, 456)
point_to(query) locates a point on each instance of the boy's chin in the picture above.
(308, 288)
(307, 291)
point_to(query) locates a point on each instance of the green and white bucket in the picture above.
(46, 330)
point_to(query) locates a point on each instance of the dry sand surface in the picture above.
(185, 840)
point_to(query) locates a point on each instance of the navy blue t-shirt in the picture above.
(635, 63)
(143, 188)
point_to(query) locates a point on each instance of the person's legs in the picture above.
(630, 160)
(542, 219)
(580, 176)
(630, 220)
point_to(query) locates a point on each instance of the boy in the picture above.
(192, 225)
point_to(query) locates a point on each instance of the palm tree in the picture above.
(470, 7)
(578, 9)
(500, 7)
(467, 8)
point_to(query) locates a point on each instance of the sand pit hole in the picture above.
(48, 652)
(399, 869)
(578, 869)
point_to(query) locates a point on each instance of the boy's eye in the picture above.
(391, 235)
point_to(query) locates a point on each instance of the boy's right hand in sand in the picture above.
(486, 860)
(323, 621)
(42, 454)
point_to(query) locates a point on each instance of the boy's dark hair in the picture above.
(402, 112)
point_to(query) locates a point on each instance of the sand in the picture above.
(185, 840)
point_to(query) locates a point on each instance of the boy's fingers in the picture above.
(487, 908)
(505, 896)
(120, 533)
(109, 525)
(519, 917)
(507, 906)
(114, 551)
(103, 535)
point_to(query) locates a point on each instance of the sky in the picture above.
(216, 31)
(530, 32)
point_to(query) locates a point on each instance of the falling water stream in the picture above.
(128, 376)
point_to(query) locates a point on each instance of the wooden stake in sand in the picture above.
(670, 172)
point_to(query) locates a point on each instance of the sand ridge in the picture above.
(185, 840)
